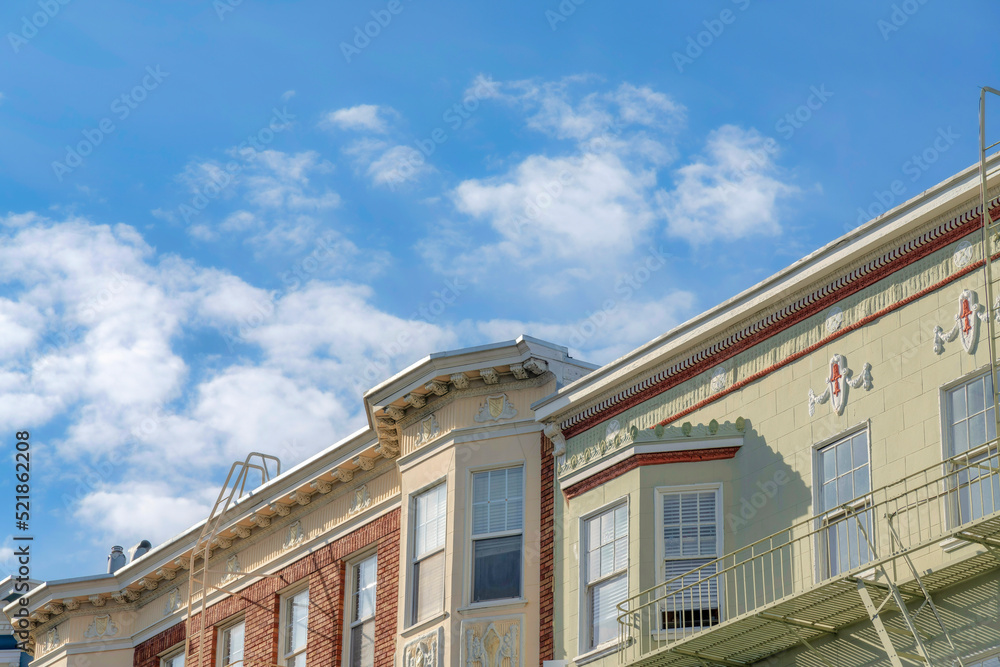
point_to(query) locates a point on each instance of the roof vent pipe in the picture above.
(116, 560)
(139, 550)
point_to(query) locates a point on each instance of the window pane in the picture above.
(297, 616)
(959, 437)
(671, 509)
(430, 520)
(497, 501)
(977, 397)
(828, 464)
(497, 566)
(956, 404)
(232, 645)
(843, 459)
(428, 587)
(176, 661)
(604, 600)
(363, 645)
(860, 443)
(364, 589)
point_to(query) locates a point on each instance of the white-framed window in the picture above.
(605, 573)
(844, 475)
(430, 511)
(174, 659)
(231, 640)
(361, 612)
(970, 423)
(497, 533)
(691, 520)
(295, 628)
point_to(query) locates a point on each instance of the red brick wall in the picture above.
(261, 603)
(547, 554)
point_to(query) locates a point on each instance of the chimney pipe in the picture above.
(116, 560)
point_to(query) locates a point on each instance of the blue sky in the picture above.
(221, 221)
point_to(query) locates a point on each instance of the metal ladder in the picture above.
(198, 579)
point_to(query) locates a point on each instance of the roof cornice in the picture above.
(831, 267)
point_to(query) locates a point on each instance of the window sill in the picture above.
(601, 651)
(953, 544)
(423, 625)
(507, 602)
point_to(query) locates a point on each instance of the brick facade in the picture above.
(546, 603)
(260, 604)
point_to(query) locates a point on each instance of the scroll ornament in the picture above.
(837, 384)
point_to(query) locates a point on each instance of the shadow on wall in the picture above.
(768, 491)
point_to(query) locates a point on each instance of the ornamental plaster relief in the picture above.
(921, 275)
(424, 651)
(970, 313)
(838, 383)
(492, 642)
(956, 220)
(658, 435)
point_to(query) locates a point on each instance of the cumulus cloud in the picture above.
(97, 327)
(732, 191)
(363, 117)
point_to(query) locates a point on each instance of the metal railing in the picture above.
(871, 530)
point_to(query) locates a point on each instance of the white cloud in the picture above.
(398, 165)
(592, 206)
(129, 512)
(609, 332)
(731, 192)
(554, 108)
(364, 117)
(94, 327)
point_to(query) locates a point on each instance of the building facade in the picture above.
(804, 475)
(807, 474)
(414, 541)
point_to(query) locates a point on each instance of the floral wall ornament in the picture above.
(429, 429)
(361, 499)
(834, 319)
(173, 602)
(720, 378)
(495, 408)
(424, 650)
(101, 626)
(233, 568)
(293, 536)
(963, 254)
(837, 384)
(492, 643)
(970, 313)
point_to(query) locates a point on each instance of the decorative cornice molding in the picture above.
(321, 486)
(97, 600)
(395, 412)
(242, 532)
(519, 372)
(71, 604)
(658, 458)
(167, 573)
(437, 387)
(416, 400)
(660, 434)
(489, 375)
(343, 475)
(301, 497)
(536, 366)
(460, 380)
(880, 264)
(280, 509)
(554, 434)
(261, 520)
(364, 462)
